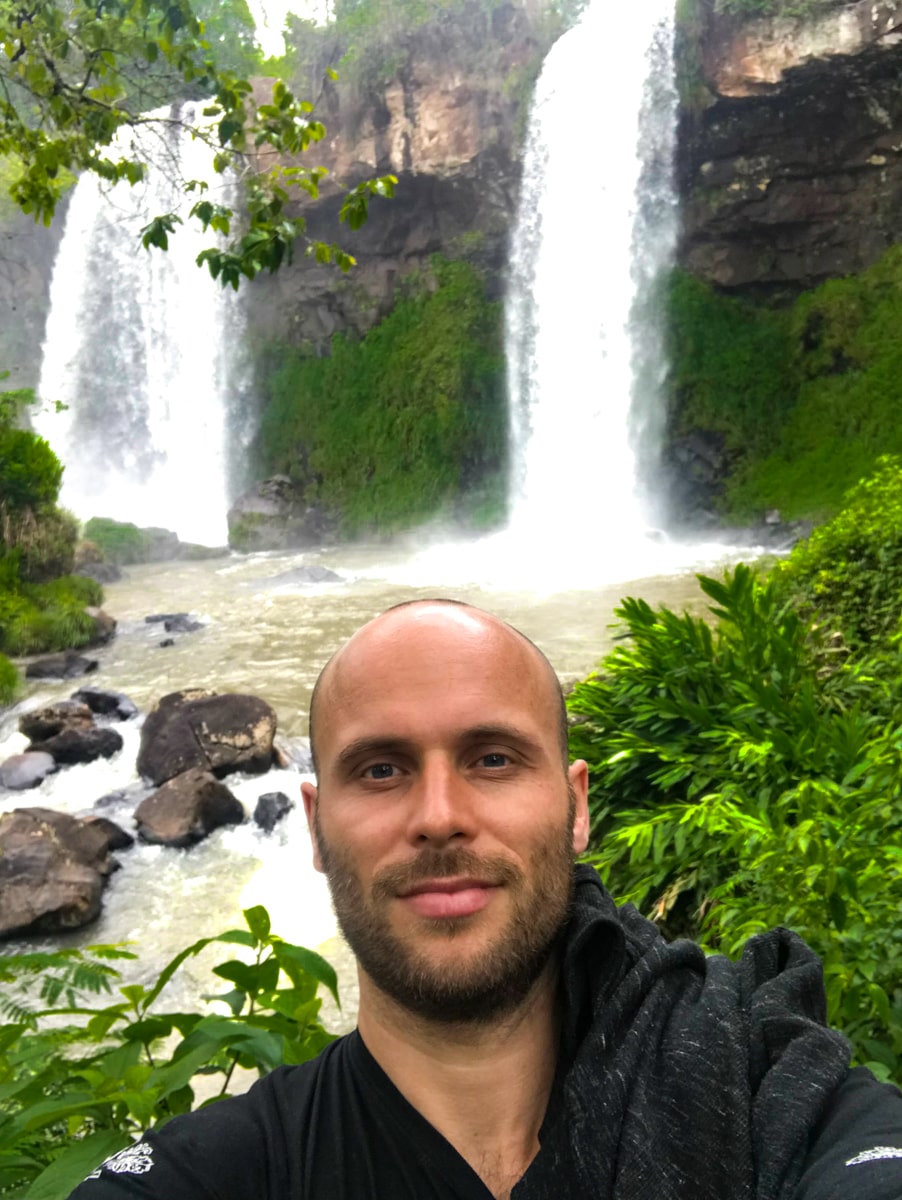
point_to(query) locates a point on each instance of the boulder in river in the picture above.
(81, 745)
(271, 808)
(273, 515)
(67, 665)
(197, 728)
(187, 809)
(28, 770)
(104, 625)
(53, 869)
(106, 703)
(304, 575)
(182, 623)
(102, 572)
(47, 722)
(116, 836)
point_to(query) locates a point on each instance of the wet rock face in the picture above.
(216, 733)
(187, 809)
(53, 869)
(793, 172)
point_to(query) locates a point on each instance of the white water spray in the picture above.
(596, 226)
(143, 349)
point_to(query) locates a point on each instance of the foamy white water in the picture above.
(144, 349)
(595, 228)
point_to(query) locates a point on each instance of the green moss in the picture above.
(805, 398)
(731, 367)
(398, 426)
(9, 681)
(120, 541)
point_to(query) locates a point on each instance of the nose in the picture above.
(441, 805)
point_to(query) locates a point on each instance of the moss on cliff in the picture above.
(806, 398)
(402, 424)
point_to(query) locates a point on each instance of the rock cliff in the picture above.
(448, 124)
(790, 161)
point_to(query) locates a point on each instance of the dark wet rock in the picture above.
(102, 572)
(159, 618)
(81, 745)
(271, 808)
(67, 665)
(104, 625)
(53, 869)
(197, 728)
(182, 624)
(302, 575)
(28, 770)
(107, 703)
(273, 515)
(116, 836)
(187, 809)
(131, 795)
(294, 754)
(47, 722)
(166, 642)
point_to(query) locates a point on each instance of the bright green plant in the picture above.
(73, 1092)
(848, 573)
(745, 774)
(30, 473)
(35, 618)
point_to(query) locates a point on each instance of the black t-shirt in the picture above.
(338, 1129)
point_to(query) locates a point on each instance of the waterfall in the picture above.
(595, 228)
(144, 350)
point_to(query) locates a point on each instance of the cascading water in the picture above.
(143, 347)
(596, 226)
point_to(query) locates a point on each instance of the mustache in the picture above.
(443, 864)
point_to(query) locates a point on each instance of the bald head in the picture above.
(449, 626)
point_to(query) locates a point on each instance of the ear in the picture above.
(578, 775)
(310, 795)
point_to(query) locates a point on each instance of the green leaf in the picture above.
(76, 1161)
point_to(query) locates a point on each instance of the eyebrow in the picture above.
(388, 744)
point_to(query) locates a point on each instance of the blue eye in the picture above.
(495, 759)
(380, 771)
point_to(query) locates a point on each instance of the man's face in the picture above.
(445, 820)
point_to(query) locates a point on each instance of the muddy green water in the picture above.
(271, 637)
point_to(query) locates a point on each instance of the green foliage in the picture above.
(39, 617)
(80, 1079)
(772, 8)
(30, 473)
(9, 681)
(848, 573)
(119, 541)
(806, 398)
(393, 427)
(744, 776)
(73, 75)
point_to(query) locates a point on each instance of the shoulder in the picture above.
(245, 1145)
(856, 1149)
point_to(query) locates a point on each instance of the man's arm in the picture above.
(856, 1151)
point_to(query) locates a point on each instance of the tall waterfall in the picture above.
(596, 225)
(142, 347)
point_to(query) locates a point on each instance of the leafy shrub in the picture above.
(394, 427)
(45, 540)
(849, 571)
(35, 618)
(119, 541)
(30, 473)
(747, 775)
(76, 1091)
(9, 681)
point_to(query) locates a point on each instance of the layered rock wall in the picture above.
(790, 162)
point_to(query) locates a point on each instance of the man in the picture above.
(518, 1035)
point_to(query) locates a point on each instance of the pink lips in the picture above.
(443, 898)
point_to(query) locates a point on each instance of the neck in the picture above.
(484, 1087)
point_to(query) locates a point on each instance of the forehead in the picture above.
(431, 668)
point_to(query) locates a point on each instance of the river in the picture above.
(271, 638)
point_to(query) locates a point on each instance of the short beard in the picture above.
(490, 985)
